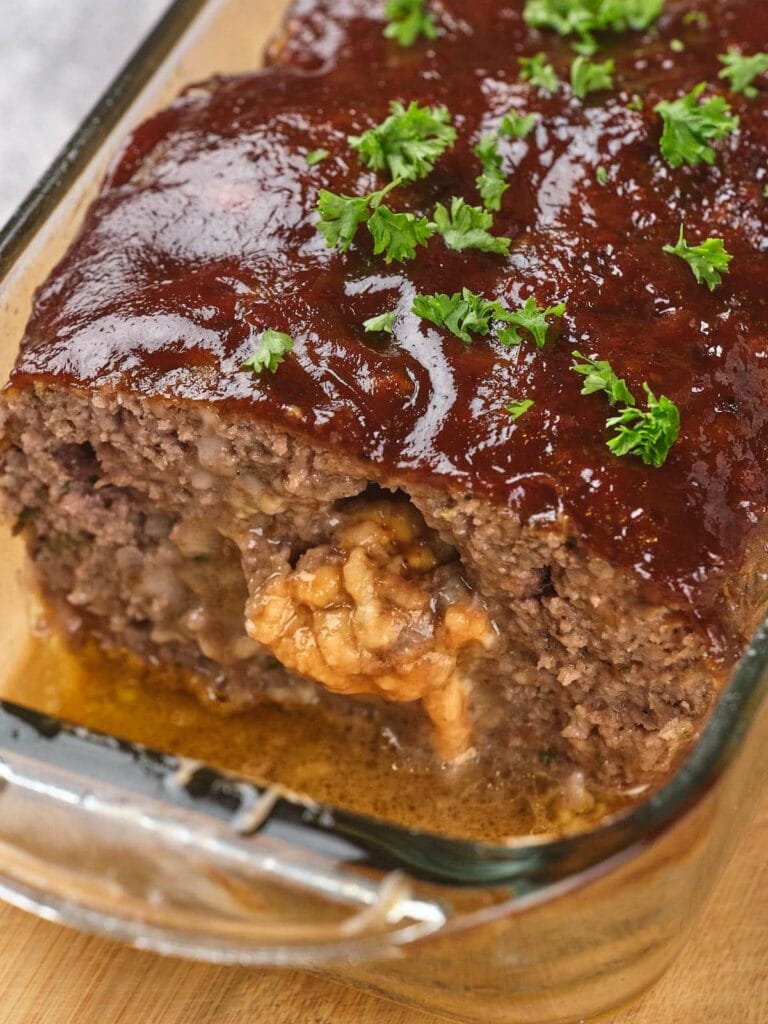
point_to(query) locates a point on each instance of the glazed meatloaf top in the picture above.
(205, 235)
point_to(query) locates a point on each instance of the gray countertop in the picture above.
(57, 58)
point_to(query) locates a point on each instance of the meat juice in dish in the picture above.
(420, 381)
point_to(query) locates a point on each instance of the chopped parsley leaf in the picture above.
(648, 434)
(460, 314)
(589, 76)
(491, 184)
(398, 235)
(538, 71)
(407, 20)
(272, 349)
(636, 103)
(530, 317)
(316, 157)
(583, 18)
(602, 175)
(599, 376)
(676, 45)
(466, 227)
(518, 409)
(741, 71)
(384, 322)
(408, 142)
(517, 126)
(708, 261)
(690, 123)
(341, 216)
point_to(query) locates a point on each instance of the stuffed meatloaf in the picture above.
(425, 372)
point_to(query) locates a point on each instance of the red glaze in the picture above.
(204, 235)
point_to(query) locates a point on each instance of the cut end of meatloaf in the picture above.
(279, 570)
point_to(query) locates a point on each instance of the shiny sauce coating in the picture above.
(205, 235)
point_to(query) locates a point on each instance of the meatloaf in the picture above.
(239, 439)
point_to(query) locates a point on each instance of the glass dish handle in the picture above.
(170, 855)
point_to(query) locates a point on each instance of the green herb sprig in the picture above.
(583, 18)
(531, 317)
(519, 408)
(463, 314)
(408, 20)
(466, 313)
(599, 376)
(589, 76)
(708, 261)
(492, 183)
(408, 143)
(272, 349)
(384, 323)
(466, 227)
(341, 216)
(691, 123)
(539, 72)
(647, 433)
(397, 236)
(740, 71)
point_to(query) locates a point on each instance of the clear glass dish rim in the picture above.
(740, 699)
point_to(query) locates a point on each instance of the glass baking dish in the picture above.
(170, 855)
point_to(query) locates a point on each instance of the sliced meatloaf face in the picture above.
(367, 522)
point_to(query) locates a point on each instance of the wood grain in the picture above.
(50, 975)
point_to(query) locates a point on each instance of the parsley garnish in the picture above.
(530, 317)
(599, 376)
(742, 71)
(272, 349)
(398, 235)
(518, 409)
(602, 175)
(538, 71)
(384, 322)
(459, 313)
(690, 123)
(676, 45)
(585, 17)
(341, 216)
(491, 184)
(648, 433)
(465, 313)
(409, 19)
(636, 103)
(707, 261)
(588, 76)
(517, 126)
(408, 142)
(466, 227)
(316, 157)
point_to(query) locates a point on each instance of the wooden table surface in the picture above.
(50, 975)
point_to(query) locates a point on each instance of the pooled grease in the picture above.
(344, 762)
